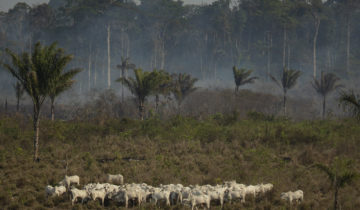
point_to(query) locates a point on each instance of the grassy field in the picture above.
(256, 149)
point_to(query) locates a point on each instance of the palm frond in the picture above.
(241, 76)
(326, 84)
(291, 78)
(346, 178)
(275, 80)
(351, 102)
(327, 170)
(183, 85)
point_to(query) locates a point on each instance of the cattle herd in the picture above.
(172, 194)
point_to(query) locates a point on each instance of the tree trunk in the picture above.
(122, 85)
(269, 40)
(36, 133)
(289, 55)
(6, 105)
(201, 66)
(324, 107)
(162, 64)
(18, 104)
(317, 25)
(122, 92)
(127, 46)
(141, 110)
(284, 48)
(336, 198)
(89, 68)
(108, 56)
(52, 109)
(348, 33)
(284, 104)
(95, 67)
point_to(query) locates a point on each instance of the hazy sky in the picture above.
(6, 4)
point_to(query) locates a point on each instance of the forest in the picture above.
(204, 40)
(162, 92)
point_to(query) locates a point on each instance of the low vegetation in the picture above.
(254, 149)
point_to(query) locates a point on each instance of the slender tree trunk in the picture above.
(348, 34)
(317, 25)
(30, 43)
(122, 92)
(324, 107)
(269, 38)
(141, 110)
(336, 198)
(284, 48)
(201, 66)
(36, 132)
(328, 59)
(6, 105)
(122, 42)
(284, 104)
(95, 67)
(249, 39)
(162, 52)
(215, 71)
(289, 55)
(127, 46)
(108, 56)
(18, 104)
(52, 109)
(89, 68)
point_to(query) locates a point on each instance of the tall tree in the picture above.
(124, 67)
(287, 81)
(163, 85)
(316, 7)
(61, 80)
(242, 77)
(141, 87)
(19, 92)
(183, 85)
(34, 72)
(327, 84)
(340, 173)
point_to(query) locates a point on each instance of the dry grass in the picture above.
(218, 140)
(179, 150)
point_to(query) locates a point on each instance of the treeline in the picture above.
(204, 40)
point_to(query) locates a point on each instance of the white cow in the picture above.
(297, 196)
(76, 193)
(115, 179)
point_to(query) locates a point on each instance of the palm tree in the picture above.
(163, 85)
(241, 77)
(352, 102)
(141, 86)
(288, 81)
(19, 92)
(35, 73)
(61, 81)
(327, 83)
(183, 85)
(124, 67)
(339, 174)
